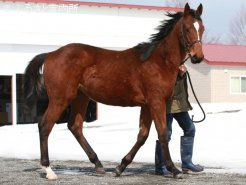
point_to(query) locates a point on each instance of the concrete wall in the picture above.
(220, 84)
(201, 79)
(212, 83)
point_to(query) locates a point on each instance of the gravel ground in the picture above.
(18, 171)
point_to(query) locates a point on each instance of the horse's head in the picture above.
(191, 33)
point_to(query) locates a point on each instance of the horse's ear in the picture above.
(199, 10)
(186, 9)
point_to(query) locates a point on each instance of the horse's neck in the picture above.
(171, 49)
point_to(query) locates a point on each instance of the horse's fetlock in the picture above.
(45, 163)
(127, 160)
(94, 159)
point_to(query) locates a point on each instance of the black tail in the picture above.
(33, 80)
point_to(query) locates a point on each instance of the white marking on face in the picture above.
(196, 25)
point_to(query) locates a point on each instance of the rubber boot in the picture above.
(160, 167)
(186, 155)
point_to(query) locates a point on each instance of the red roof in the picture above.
(113, 5)
(230, 55)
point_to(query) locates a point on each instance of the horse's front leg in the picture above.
(158, 112)
(144, 127)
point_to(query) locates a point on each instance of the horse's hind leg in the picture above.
(52, 114)
(75, 125)
(144, 127)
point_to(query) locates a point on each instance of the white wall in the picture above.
(39, 31)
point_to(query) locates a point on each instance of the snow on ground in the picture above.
(219, 141)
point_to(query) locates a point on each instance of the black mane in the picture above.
(145, 49)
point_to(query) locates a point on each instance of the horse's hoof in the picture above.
(51, 176)
(100, 170)
(117, 171)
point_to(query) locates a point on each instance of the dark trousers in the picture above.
(184, 121)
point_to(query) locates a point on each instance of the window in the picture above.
(238, 85)
(243, 84)
(5, 100)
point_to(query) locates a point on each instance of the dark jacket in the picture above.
(179, 101)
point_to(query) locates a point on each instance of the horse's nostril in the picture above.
(196, 59)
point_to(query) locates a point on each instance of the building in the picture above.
(222, 75)
(33, 27)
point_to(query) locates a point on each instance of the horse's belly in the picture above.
(113, 92)
(112, 85)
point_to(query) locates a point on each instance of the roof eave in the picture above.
(223, 63)
(113, 5)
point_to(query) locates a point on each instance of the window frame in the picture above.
(240, 84)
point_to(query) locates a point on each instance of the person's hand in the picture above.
(182, 69)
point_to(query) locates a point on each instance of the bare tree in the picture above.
(209, 39)
(238, 28)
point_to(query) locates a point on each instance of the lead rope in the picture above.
(192, 89)
(185, 60)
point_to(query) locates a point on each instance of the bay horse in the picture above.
(142, 76)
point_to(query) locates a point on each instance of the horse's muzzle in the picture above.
(196, 60)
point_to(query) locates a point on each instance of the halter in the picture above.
(187, 45)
